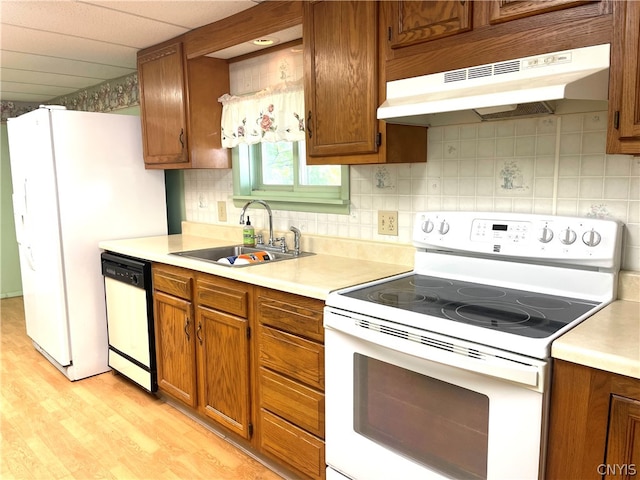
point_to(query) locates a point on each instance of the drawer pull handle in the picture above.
(186, 328)
(198, 331)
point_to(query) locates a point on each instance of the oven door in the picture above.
(404, 403)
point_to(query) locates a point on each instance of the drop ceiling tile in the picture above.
(89, 21)
(187, 14)
(18, 39)
(63, 66)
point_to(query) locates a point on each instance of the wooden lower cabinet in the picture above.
(174, 333)
(594, 429)
(223, 366)
(290, 381)
(247, 359)
(203, 352)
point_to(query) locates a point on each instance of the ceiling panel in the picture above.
(49, 47)
(29, 63)
(19, 39)
(186, 14)
(81, 20)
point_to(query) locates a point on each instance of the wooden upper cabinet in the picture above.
(163, 105)
(505, 10)
(624, 81)
(418, 21)
(180, 109)
(340, 77)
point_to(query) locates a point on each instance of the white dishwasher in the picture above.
(129, 300)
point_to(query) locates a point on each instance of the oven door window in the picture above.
(440, 425)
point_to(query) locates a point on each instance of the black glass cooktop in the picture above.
(519, 312)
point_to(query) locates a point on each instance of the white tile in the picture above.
(545, 166)
(543, 188)
(569, 166)
(525, 146)
(591, 187)
(571, 144)
(505, 147)
(616, 188)
(592, 165)
(568, 187)
(618, 165)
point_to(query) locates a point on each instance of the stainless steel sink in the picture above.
(214, 254)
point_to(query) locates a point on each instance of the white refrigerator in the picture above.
(78, 178)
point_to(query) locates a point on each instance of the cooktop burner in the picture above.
(514, 311)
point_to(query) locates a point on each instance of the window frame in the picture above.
(247, 185)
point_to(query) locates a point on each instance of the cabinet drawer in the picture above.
(172, 280)
(292, 445)
(291, 356)
(223, 294)
(293, 401)
(292, 313)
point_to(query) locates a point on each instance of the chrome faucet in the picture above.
(265, 205)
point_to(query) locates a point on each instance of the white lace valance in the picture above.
(271, 115)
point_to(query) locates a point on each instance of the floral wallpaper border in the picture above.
(108, 96)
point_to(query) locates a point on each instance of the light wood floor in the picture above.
(101, 427)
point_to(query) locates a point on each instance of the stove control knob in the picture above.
(569, 236)
(546, 234)
(427, 226)
(444, 227)
(591, 238)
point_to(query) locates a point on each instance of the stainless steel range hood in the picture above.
(540, 84)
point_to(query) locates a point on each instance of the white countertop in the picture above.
(311, 276)
(608, 340)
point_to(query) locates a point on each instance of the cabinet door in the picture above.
(340, 75)
(418, 21)
(223, 347)
(162, 106)
(175, 347)
(505, 10)
(623, 439)
(624, 81)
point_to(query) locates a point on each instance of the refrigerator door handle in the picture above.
(30, 259)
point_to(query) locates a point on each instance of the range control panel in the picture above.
(589, 241)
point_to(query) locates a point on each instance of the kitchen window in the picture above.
(277, 172)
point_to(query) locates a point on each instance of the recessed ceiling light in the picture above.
(265, 42)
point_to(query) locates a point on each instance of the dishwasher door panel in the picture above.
(126, 307)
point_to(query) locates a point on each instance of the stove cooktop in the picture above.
(518, 312)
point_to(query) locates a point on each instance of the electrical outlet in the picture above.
(222, 211)
(387, 223)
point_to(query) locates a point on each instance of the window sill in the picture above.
(317, 205)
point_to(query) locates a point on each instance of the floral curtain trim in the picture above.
(271, 115)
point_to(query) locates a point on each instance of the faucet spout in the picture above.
(265, 205)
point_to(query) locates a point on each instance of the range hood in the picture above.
(519, 87)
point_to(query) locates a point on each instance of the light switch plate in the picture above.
(387, 222)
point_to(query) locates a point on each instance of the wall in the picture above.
(10, 277)
(550, 165)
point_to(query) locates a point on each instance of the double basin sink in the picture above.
(217, 254)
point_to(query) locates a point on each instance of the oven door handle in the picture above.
(439, 348)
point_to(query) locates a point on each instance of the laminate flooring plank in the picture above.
(101, 427)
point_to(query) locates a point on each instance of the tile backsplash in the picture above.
(553, 164)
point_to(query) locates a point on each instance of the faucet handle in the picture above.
(283, 243)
